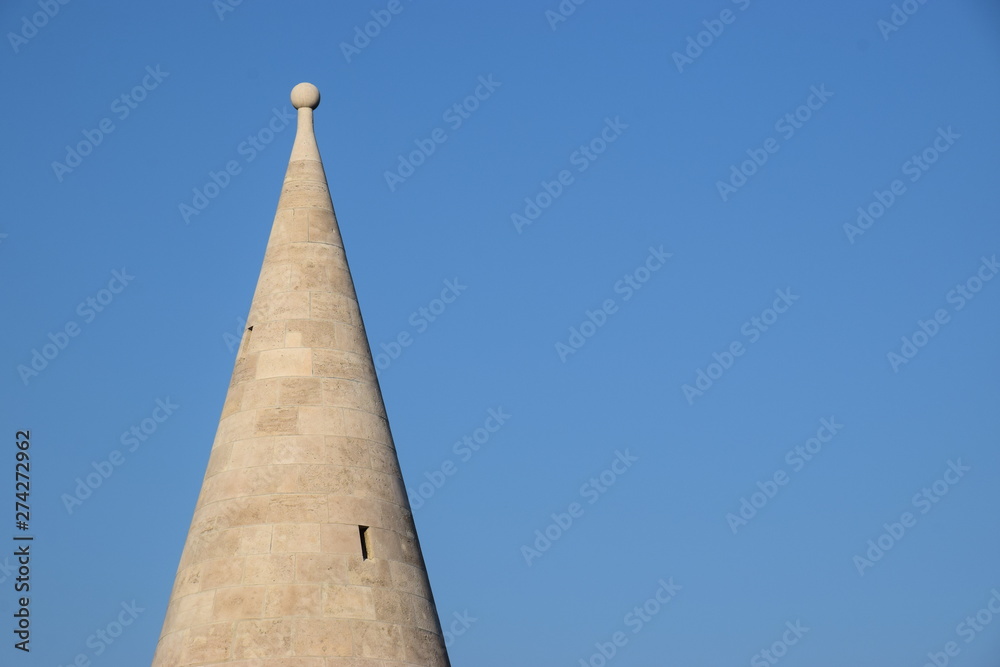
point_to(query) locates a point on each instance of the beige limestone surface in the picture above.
(274, 572)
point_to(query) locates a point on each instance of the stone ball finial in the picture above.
(305, 95)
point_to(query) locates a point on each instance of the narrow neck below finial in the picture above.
(305, 147)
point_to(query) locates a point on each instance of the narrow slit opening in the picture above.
(246, 338)
(365, 546)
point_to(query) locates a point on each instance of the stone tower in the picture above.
(302, 551)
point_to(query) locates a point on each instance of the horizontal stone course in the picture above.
(273, 573)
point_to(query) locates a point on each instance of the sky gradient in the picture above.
(684, 313)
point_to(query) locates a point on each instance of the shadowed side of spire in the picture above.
(302, 549)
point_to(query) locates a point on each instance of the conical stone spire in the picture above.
(302, 551)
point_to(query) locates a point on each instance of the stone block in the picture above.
(305, 449)
(269, 569)
(335, 307)
(300, 391)
(295, 538)
(264, 638)
(276, 421)
(286, 362)
(320, 420)
(381, 640)
(341, 538)
(297, 508)
(290, 600)
(348, 601)
(322, 637)
(207, 644)
(238, 603)
(321, 568)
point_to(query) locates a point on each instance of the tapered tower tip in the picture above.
(324, 515)
(305, 95)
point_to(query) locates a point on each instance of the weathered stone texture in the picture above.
(273, 573)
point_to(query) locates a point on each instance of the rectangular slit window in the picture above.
(365, 545)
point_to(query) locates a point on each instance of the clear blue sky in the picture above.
(693, 204)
